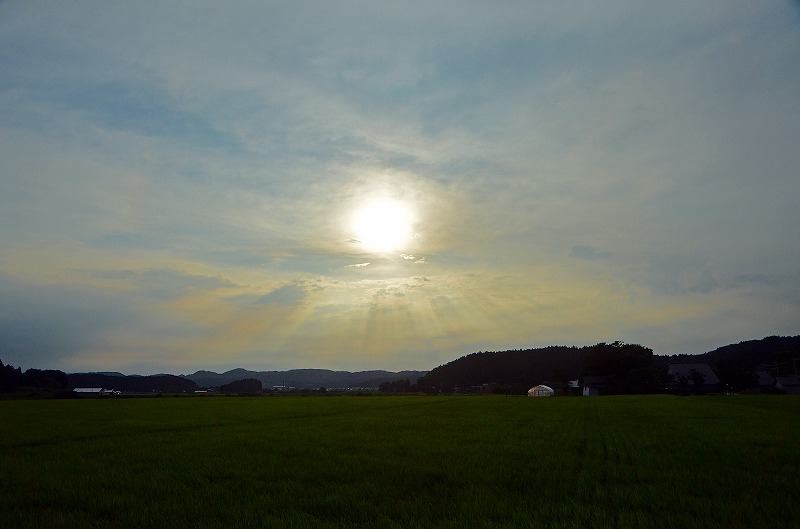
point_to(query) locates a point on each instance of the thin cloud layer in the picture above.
(177, 185)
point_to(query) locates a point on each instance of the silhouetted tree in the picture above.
(524, 367)
(47, 378)
(9, 377)
(697, 382)
(248, 386)
(697, 378)
(646, 380)
(628, 366)
(133, 384)
(733, 376)
(397, 386)
(13, 378)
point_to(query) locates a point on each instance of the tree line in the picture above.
(625, 368)
(628, 368)
(12, 378)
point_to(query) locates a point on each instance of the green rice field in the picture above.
(402, 462)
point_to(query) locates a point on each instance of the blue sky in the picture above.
(179, 180)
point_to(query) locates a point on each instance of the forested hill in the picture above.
(132, 383)
(734, 364)
(509, 368)
(746, 355)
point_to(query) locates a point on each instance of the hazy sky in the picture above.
(180, 182)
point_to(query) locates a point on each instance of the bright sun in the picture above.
(383, 225)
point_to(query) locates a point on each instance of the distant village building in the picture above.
(779, 376)
(594, 385)
(96, 391)
(88, 390)
(789, 384)
(696, 378)
(541, 391)
(764, 379)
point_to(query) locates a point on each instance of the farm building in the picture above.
(594, 385)
(693, 372)
(541, 391)
(96, 391)
(789, 384)
(694, 377)
(765, 379)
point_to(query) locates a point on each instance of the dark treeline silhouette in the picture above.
(402, 385)
(248, 386)
(624, 368)
(736, 364)
(133, 384)
(12, 378)
(629, 367)
(507, 371)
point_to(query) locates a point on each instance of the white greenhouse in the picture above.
(541, 391)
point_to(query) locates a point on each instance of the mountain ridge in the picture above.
(305, 378)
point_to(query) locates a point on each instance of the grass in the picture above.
(452, 462)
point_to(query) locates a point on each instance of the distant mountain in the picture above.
(777, 349)
(303, 378)
(736, 364)
(746, 355)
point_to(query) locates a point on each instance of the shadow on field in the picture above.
(194, 427)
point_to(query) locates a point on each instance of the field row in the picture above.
(645, 461)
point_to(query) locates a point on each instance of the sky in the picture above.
(360, 185)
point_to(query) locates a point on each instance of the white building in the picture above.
(541, 391)
(96, 391)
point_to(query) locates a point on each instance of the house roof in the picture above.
(685, 370)
(791, 380)
(765, 379)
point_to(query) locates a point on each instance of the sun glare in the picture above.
(383, 225)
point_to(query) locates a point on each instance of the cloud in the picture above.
(584, 251)
(164, 284)
(418, 281)
(50, 326)
(762, 279)
(287, 295)
(590, 168)
(704, 283)
(283, 296)
(442, 302)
